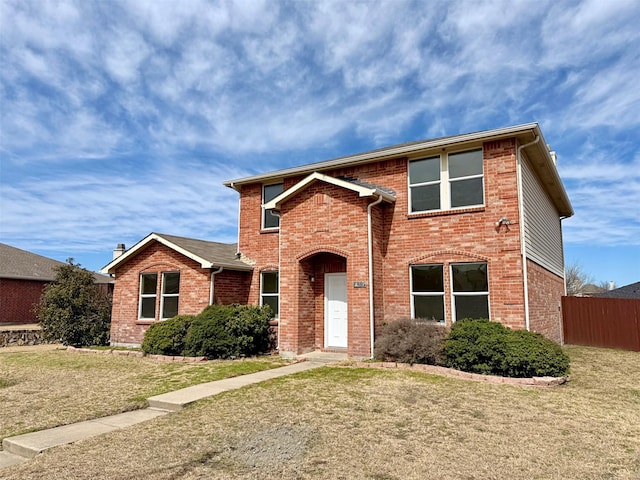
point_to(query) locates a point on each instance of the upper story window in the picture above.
(447, 181)
(269, 192)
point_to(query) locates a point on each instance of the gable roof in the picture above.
(539, 154)
(207, 254)
(628, 291)
(361, 188)
(18, 264)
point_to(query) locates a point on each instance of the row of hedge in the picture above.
(219, 331)
(472, 345)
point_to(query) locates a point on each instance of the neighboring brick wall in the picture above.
(195, 282)
(545, 297)
(18, 300)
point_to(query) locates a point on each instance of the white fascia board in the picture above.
(110, 267)
(359, 189)
(390, 152)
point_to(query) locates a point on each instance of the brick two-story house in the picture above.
(455, 227)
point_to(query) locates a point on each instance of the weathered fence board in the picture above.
(602, 322)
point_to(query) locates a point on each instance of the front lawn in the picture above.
(348, 423)
(47, 388)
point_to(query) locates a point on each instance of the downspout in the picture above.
(277, 214)
(213, 274)
(523, 245)
(370, 247)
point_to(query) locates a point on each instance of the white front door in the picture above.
(335, 310)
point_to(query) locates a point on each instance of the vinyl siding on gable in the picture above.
(542, 229)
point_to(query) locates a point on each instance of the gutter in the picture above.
(523, 245)
(370, 248)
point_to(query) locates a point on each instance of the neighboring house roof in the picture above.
(20, 264)
(591, 290)
(361, 188)
(539, 154)
(628, 291)
(207, 254)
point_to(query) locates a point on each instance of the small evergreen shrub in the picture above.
(477, 346)
(530, 354)
(490, 348)
(73, 310)
(412, 341)
(167, 337)
(223, 331)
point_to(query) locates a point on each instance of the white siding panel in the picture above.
(542, 228)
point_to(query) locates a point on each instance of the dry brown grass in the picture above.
(43, 388)
(339, 423)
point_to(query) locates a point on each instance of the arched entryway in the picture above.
(323, 307)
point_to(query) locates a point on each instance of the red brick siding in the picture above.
(195, 282)
(18, 300)
(323, 217)
(545, 296)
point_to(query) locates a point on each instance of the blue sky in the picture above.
(119, 118)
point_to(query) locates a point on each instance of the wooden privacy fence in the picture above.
(602, 322)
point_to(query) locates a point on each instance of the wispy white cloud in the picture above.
(90, 87)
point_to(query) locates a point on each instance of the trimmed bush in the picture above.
(412, 341)
(530, 354)
(167, 337)
(477, 346)
(482, 346)
(223, 331)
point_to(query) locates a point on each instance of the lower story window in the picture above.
(169, 286)
(427, 292)
(470, 290)
(269, 291)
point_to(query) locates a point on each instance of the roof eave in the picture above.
(391, 152)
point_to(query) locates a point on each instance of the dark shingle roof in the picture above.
(219, 254)
(628, 291)
(23, 265)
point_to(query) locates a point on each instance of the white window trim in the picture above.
(265, 211)
(426, 294)
(466, 294)
(166, 295)
(262, 294)
(147, 295)
(445, 183)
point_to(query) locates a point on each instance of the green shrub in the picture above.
(412, 341)
(530, 354)
(481, 346)
(223, 331)
(72, 310)
(167, 337)
(476, 345)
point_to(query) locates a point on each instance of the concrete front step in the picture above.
(31, 444)
(8, 459)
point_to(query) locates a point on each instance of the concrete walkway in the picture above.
(22, 447)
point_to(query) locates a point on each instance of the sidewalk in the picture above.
(22, 447)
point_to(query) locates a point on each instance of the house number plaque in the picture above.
(359, 284)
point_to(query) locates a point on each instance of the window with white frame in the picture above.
(470, 290)
(269, 291)
(170, 294)
(148, 295)
(427, 292)
(447, 181)
(269, 192)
